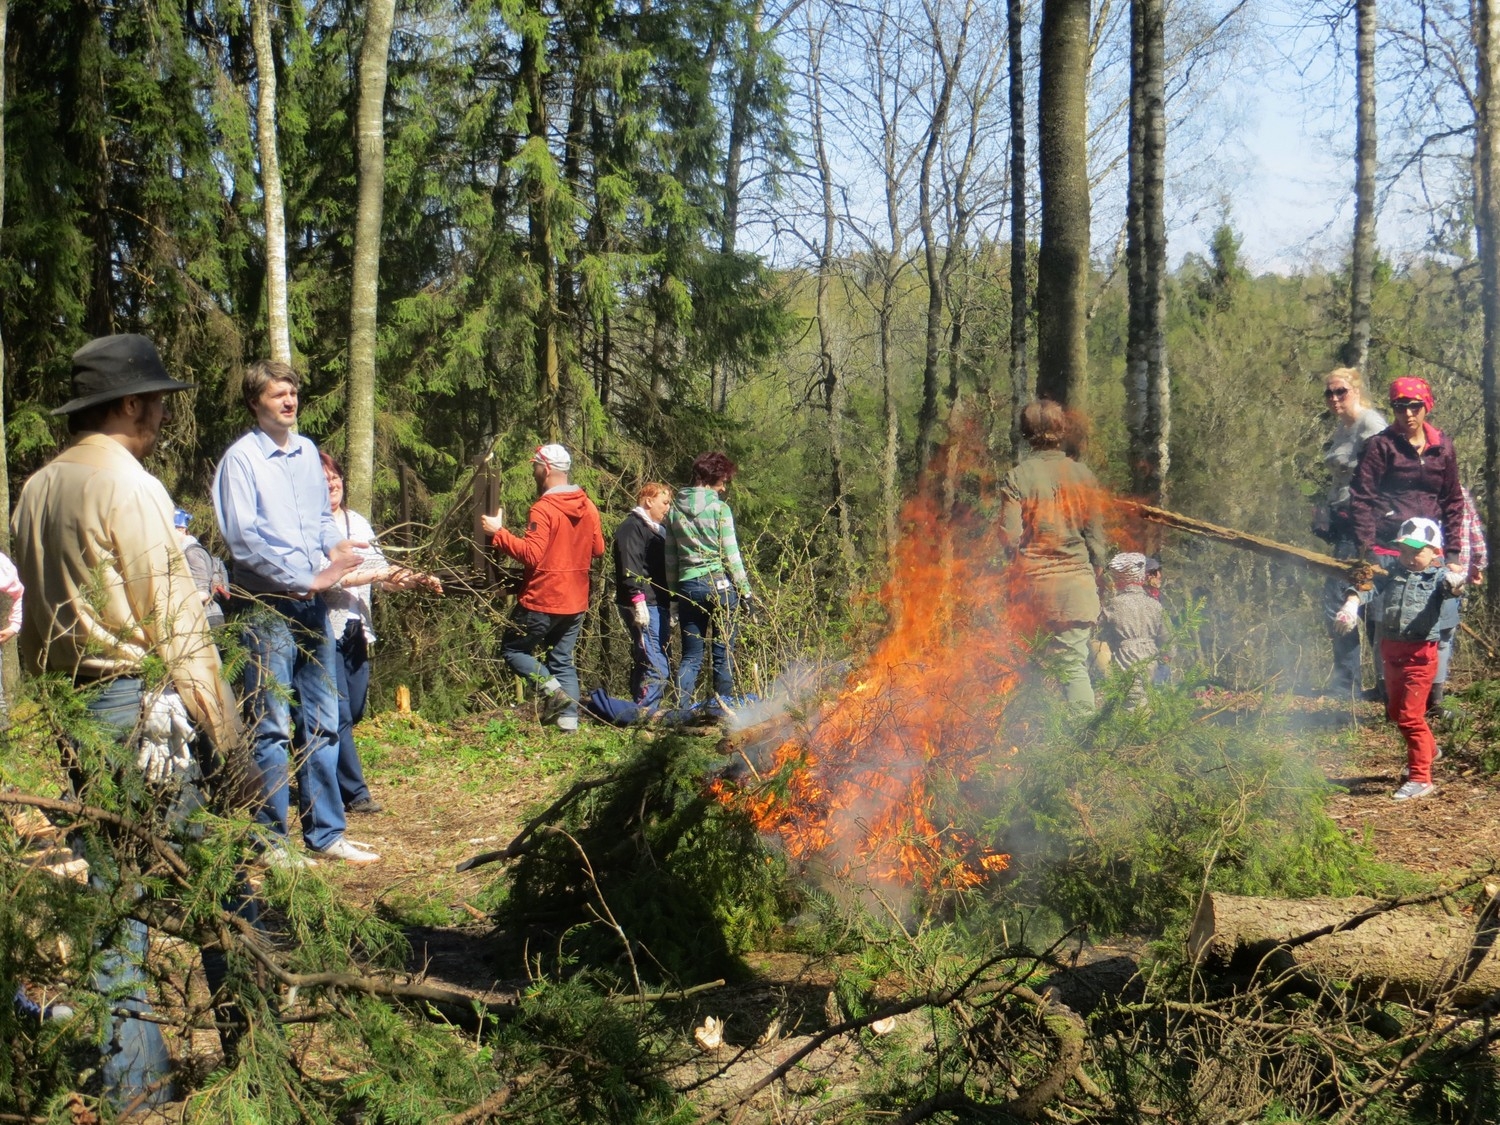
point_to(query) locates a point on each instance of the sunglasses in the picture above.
(1342, 392)
(1408, 405)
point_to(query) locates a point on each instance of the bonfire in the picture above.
(885, 784)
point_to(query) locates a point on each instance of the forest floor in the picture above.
(451, 791)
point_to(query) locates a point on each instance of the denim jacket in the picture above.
(1414, 605)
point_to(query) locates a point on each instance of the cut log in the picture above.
(1414, 953)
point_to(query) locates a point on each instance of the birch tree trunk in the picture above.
(1020, 373)
(1147, 390)
(1487, 166)
(359, 409)
(827, 369)
(540, 196)
(1063, 261)
(949, 63)
(278, 325)
(1362, 260)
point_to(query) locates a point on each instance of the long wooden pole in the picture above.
(1256, 543)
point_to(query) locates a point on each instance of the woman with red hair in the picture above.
(1050, 521)
(708, 576)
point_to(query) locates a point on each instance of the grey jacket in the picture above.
(1341, 452)
(1134, 626)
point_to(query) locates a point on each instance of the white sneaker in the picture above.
(283, 858)
(567, 722)
(1413, 789)
(347, 850)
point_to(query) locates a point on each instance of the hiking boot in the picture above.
(1412, 790)
(365, 805)
(1437, 757)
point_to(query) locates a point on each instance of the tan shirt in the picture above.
(1050, 517)
(107, 583)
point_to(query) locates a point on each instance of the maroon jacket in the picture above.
(1394, 483)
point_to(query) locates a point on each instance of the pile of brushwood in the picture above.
(649, 927)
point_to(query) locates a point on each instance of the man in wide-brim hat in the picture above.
(106, 587)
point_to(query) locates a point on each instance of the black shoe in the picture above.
(1373, 695)
(365, 805)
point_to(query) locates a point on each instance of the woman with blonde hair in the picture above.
(1333, 519)
(641, 593)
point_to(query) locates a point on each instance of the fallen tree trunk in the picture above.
(1412, 952)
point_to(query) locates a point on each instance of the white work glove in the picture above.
(1347, 616)
(642, 613)
(166, 737)
(1454, 578)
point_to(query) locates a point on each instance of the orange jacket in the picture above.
(563, 537)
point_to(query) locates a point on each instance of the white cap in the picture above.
(1419, 532)
(554, 456)
(1129, 565)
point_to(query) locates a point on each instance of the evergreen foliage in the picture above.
(644, 876)
(1120, 821)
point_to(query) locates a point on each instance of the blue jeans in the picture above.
(292, 674)
(649, 666)
(528, 632)
(135, 1059)
(1445, 653)
(1347, 677)
(135, 1063)
(353, 667)
(704, 606)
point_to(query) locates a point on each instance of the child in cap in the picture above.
(1418, 599)
(1153, 578)
(1133, 623)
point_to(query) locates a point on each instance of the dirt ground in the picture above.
(1455, 828)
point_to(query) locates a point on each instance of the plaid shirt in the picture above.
(1473, 554)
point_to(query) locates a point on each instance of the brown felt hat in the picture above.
(112, 367)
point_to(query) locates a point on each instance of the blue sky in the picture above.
(1289, 182)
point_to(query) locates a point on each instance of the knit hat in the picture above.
(1418, 532)
(181, 518)
(1409, 386)
(112, 367)
(554, 456)
(1129, 566)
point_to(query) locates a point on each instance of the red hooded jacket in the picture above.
(562, 537)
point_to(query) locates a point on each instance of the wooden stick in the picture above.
(1243, 539)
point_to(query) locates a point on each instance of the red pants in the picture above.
(1410, 668)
